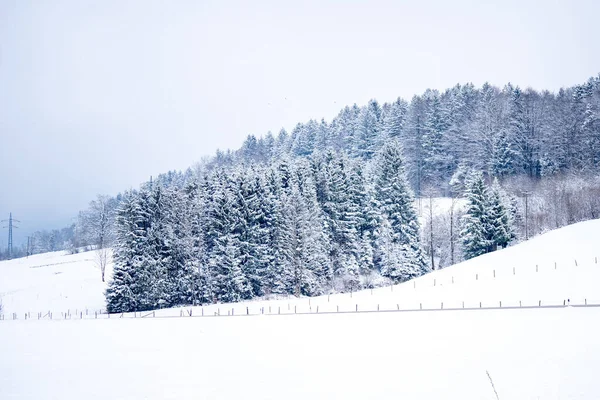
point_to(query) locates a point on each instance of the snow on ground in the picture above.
(52, 281)
(530, 353)
(545, 353)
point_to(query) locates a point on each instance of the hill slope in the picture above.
(546, 353)
(550, 268)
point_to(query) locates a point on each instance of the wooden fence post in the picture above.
(575, 262)
(476, 277)
(494, 273)
(536, 268)
(357, 308)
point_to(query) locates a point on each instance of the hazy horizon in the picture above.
(97, 97)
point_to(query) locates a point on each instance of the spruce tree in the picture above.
(476, 227)
(396, 201)
(500, 217)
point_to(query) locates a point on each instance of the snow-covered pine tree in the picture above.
(318, 269)
(342, 219)
(277, 276)
(133, 285)
(229, 283)
(368, 130)
(225, 277)
(500, 218)
(476, 227)
(121, 293)
(435, 156)
(399, 262)
(395, 118)
(396, 201)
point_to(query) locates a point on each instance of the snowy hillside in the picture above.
(551, 268)
(530, 353)
(51, 281)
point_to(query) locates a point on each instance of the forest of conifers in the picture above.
(349, 203)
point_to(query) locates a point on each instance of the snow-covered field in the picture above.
(545, 353)
(51, 282)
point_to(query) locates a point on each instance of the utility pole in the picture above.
(10, 227)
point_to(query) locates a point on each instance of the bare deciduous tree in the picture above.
(97, 222)
(103, 258)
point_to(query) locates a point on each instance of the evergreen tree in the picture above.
(500, 217)
(476, 227)
(396, 202)
(435, 158)
(368, 128)
(395, 118)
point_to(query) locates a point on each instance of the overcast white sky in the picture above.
(96, 96)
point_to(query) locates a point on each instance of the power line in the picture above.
(10, 227)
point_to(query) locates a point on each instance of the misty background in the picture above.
(97, 96)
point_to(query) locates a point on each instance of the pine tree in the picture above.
(476, 229)
(396, 201)
(395, 118)
(368, 129)
(122, 293)
(500, 217)
(435, 158)
(132, 287)
(228, 280)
